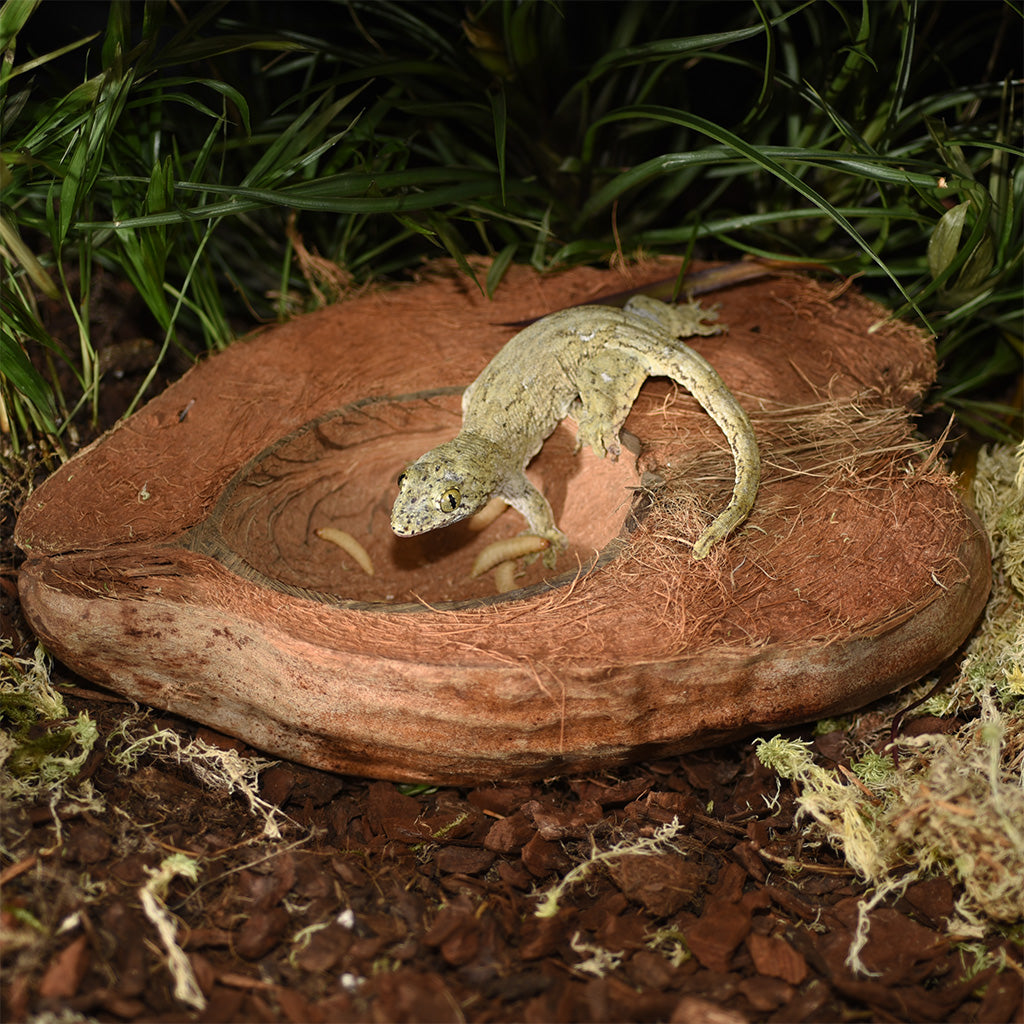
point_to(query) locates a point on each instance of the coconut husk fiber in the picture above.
(177, 562)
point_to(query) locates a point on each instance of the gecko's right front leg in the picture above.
(534, 507)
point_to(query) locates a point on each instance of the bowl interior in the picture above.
(340, 471)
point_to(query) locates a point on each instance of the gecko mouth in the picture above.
(311, 513)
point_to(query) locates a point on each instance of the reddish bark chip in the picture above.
(933, 898)
(766, 994)
(650, 970)
(662, 883)
(224, 1004)
(408, 995)
(746, 855)
(66, 970)
(87, 844)
(121, 1007)
(384, 802)
(294, 1005)
(715, 936)
(133, 870)
(261, 933)
(774, 956)
(898, 950)
(806, 1005)
(541, 936)
(693, 1010)
(463, 860)
(791, 903)
(122, 924)
(21, 989)
(509, 834)
(542, 857)
(337, 1007)
(204, 972)
(730, 882)
(669, 807)
(515, 875)
(558, 823)
(624, 930)
(268, 880)
(277, 783)
(324, 949)
(1003, 999)
(456, 933)
(501, 800)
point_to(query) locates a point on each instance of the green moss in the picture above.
(42, 748)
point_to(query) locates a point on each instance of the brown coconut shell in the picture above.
(176, 560)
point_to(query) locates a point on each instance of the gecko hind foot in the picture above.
(602, 439)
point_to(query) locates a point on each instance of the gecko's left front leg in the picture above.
(608, 387)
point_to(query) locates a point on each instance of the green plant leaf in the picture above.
(19, 372)
(499, 114)
(117, 37)
(26, 258)
(13, 15)
(945, 238)
(498, 267)
(759, 158)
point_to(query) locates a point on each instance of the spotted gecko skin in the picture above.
(588, 361)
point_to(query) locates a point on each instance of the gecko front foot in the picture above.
(557, 543)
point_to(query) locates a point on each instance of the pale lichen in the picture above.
(152, 896)
(660, 842)
(218, 768)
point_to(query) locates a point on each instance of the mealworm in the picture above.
(508, 550)
(487, 514)
(348, 543)
(505, 577)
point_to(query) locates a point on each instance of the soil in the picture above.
(382, 905)
(380, 902)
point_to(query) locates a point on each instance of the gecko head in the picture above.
(438, 489)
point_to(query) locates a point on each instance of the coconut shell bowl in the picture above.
(187, 561)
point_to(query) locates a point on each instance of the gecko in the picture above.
(588, 362)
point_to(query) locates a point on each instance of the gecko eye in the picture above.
(450, 500)
(401, 479)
